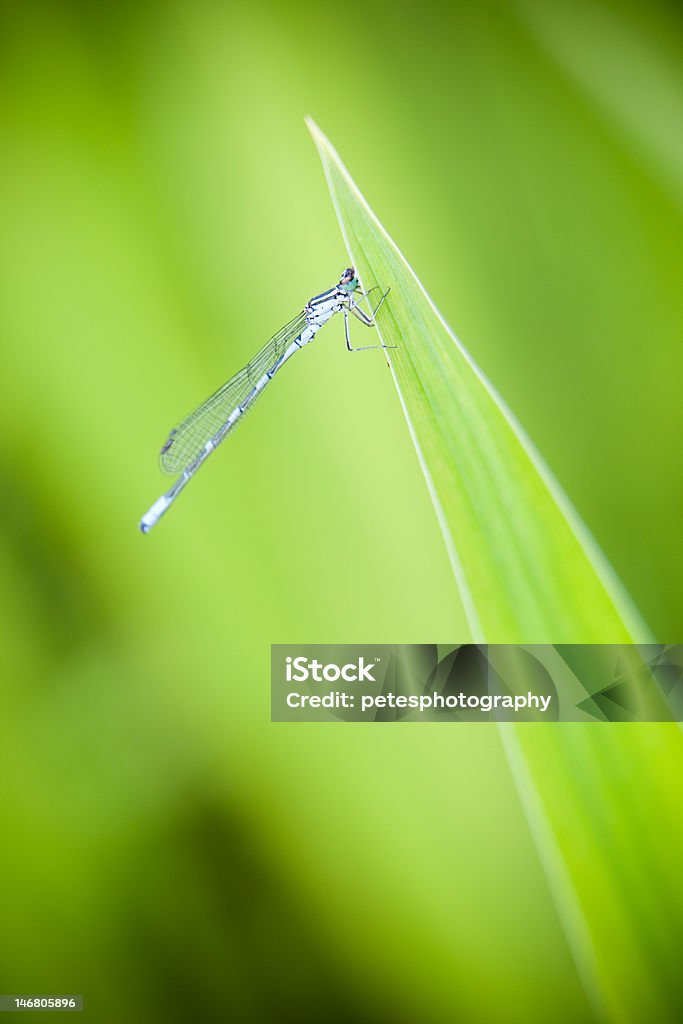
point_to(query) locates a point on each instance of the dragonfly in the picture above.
(190, 444)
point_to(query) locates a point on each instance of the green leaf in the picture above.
(527, 568)
(529, 571)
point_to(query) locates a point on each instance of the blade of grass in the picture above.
(602, 803)
(529, 571)
(527, 568)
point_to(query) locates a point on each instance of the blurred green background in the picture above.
(166, 850)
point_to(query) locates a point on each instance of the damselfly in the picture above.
(189, 445)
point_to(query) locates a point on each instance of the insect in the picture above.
(189, 445)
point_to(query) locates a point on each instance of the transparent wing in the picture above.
(186, 441)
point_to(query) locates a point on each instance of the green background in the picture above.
(166, 850)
